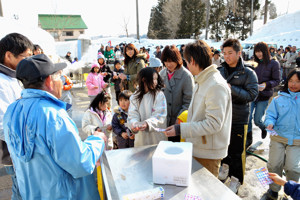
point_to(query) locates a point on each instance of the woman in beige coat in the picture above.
(209, 115)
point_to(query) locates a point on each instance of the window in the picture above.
(54, 34)
(68, 33)
(81, 32)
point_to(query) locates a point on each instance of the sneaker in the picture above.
(224, 171)
(270, 195)
(234, 184)
(263, 134)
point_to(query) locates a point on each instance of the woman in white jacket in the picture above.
(98, 117)
(148, 110)
(208, 124)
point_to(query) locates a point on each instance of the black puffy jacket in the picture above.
(244, 89)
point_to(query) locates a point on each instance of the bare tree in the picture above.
(1, 12)
(125, 25)
(171, 12)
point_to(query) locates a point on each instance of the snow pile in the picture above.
(35, 34)
(284, 30)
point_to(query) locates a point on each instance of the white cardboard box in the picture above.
(172, 163)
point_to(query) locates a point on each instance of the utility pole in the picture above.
(1, 11)
(266, 11)
(137, 21)
(251, 25)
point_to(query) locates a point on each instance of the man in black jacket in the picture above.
(244, 89)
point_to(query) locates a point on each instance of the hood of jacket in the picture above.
(141, 56)
(119, 110)
(291, 95)
(21, 120)
(200, 78)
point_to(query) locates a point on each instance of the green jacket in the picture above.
(109, 54)
(132, 69)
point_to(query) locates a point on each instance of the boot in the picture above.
(263, 133)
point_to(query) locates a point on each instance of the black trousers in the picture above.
(236, 158)
(117, 96)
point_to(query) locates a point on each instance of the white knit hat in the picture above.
(155, 62)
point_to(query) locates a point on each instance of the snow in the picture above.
(284, 30)
(35, 34)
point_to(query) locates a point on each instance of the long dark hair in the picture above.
(145, 77)
(102, 97)
(127, 58)
(263, 47)
(286, 84)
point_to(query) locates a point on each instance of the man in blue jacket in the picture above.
(51, 161)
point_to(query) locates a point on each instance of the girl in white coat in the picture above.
(148, 110)
(98, 117)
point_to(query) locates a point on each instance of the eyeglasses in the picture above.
(25, 56)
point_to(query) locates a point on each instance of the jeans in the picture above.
(15, 188)
(260, 109)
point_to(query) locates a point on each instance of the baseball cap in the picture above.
(37, 68)
(155, 62)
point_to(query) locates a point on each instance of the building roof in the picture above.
(52, 21)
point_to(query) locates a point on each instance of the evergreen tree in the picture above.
(243, 16)
(230, 24)
(156, 27)
(192, 19)
(217, 19)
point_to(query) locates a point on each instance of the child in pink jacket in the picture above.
(94, 82)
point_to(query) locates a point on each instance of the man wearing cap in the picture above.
(216, 58)
(13, 48)
(51, 161)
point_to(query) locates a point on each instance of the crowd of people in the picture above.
(197, 94)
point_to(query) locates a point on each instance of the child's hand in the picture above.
(277, 179)
(109, 127)
(270, 127)
(105, 85)
(96, 87)
(115, 77)
(132, 137)
(124, 135)
(143, 126)
(123, 76)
